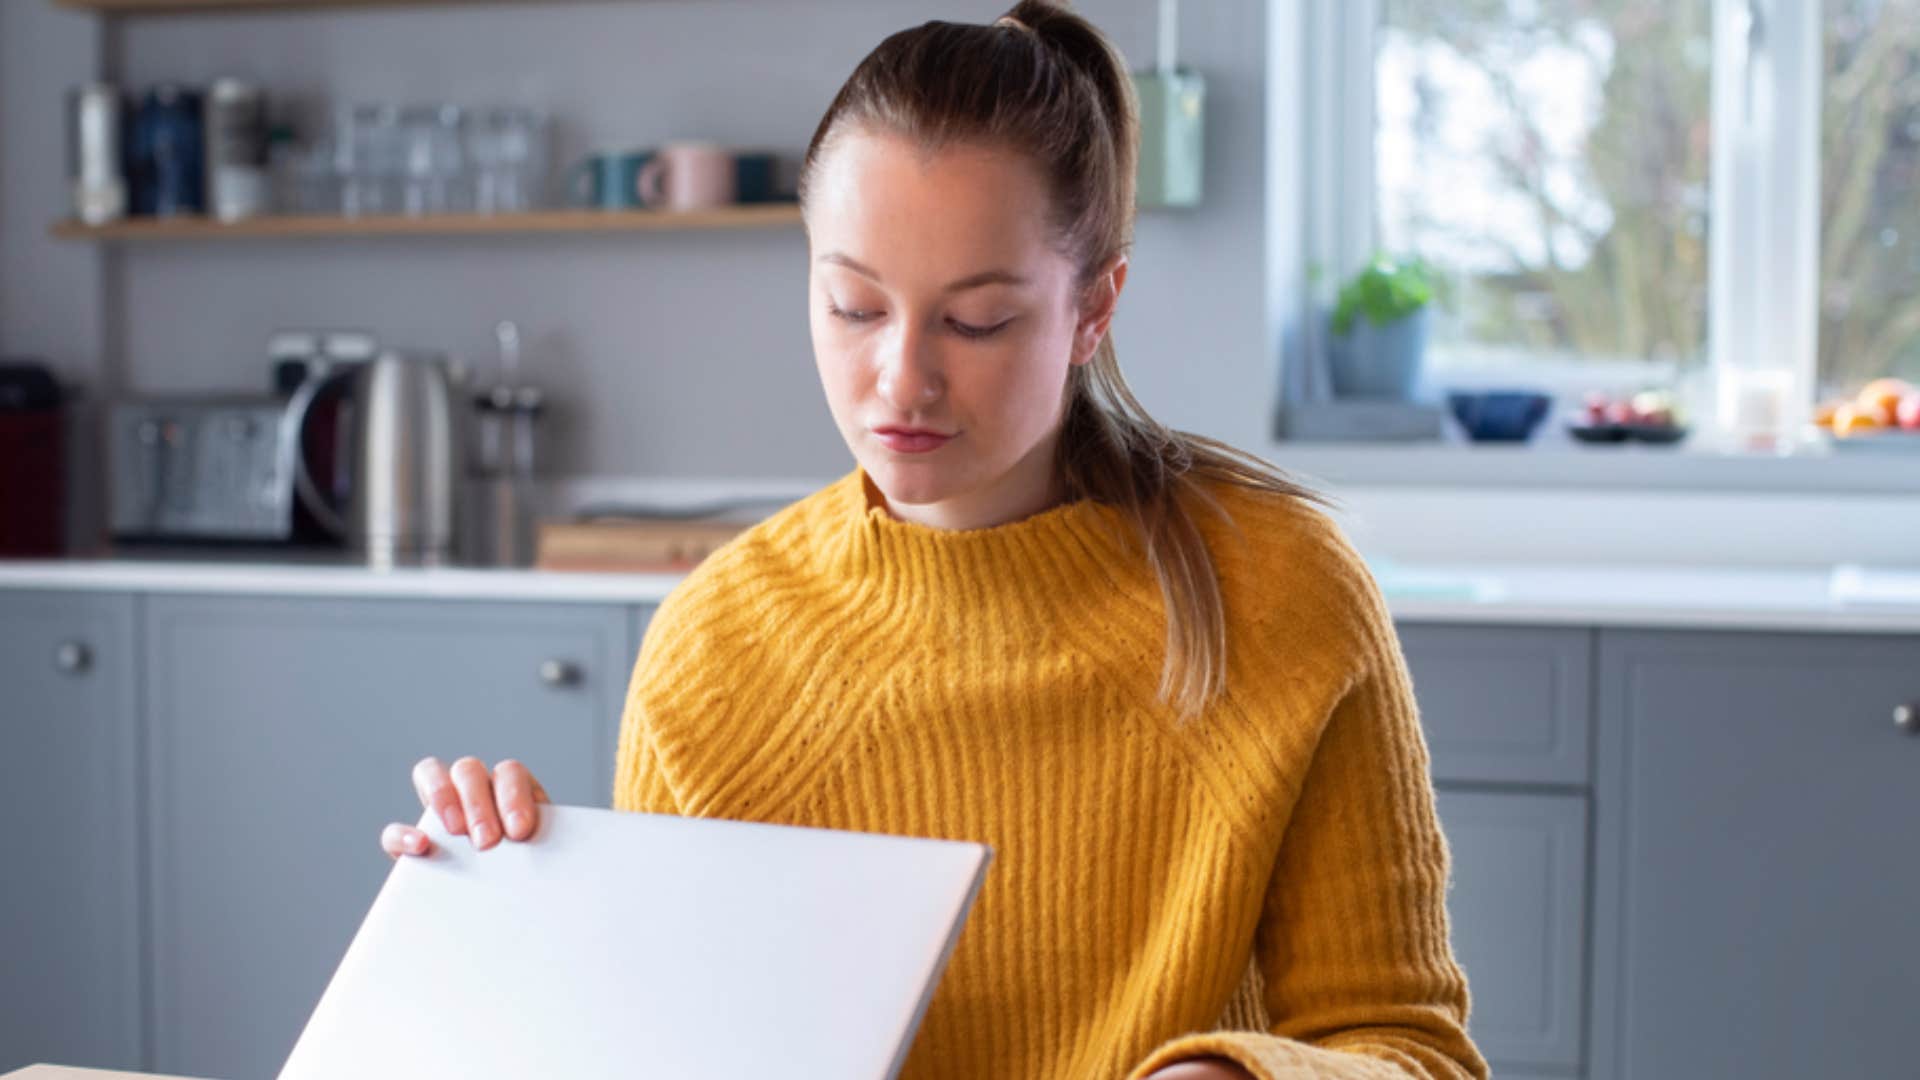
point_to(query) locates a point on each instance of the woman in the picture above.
(1138, 663)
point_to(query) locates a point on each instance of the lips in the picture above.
(911, 440)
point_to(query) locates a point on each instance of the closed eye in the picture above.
(850, 316)
(963, 329)
(979, 331)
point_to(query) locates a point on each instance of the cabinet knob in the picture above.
(559, 673)
(73, 657)
(1907, 718)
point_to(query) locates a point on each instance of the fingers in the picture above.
(397, 840)
(468, 799)
(475, 784)
(437, 793)
(517, 791)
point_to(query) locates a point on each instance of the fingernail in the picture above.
(482, 834)
(517, 821)
(416, 842)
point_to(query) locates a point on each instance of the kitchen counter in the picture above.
(1836, 598)
(307, 578)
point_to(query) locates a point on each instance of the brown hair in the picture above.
(1045, 82)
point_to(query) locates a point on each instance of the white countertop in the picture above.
(1576, 594)
(308, 579)
(1834, 598)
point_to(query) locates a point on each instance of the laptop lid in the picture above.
(617, 944)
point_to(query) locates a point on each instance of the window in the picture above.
(1869, 194)
(1721, 196)
(1550, 160)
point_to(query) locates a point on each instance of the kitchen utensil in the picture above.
(688, 176)
(608, 180)
(1499, 415)
(236, 137)
(506, 413)
(404, 438)
(166, 156)
(93, 153)
(32, 460)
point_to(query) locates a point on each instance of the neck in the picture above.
(1032, 486)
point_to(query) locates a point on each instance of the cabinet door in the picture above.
(1758, 855)
(282, 734)
(69, 904)
(1517, 912)
(1503, 704)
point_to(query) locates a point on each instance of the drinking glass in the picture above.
(430, 158)
(508, 147)
(368, 157)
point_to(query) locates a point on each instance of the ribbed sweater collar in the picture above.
(1043, 559)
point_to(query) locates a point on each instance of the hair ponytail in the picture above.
(1048, 83)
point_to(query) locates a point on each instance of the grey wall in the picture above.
(676, 354)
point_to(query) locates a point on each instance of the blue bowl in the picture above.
(1499, 415)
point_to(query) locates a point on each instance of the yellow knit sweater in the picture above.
(1263, 882)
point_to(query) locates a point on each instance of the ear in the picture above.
(1097, 308)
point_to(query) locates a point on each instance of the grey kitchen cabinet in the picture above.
(70, 972)
(1503, 703)
(281, 733)
(1757, 855)
(1506, 712)
(1517, 909)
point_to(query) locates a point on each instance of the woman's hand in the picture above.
(484, 807)
(1208, 1068)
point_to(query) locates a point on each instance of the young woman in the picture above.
(1138, 663)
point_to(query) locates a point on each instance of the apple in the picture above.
(1907, 412)
(1654, 407)
(1619, 412)
(1882, 397)
(1851, 418)
(1594, 407)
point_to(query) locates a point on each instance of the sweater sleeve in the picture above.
(1353, 941)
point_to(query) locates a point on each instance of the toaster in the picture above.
(209, 468)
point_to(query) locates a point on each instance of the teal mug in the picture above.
(608, 180)
(765, 177)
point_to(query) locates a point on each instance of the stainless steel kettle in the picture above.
(406, 435)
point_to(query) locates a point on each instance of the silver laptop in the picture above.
(618, 945)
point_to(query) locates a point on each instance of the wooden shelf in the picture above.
(323, 226)
(169, 7)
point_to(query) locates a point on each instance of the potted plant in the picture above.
(1379, 330)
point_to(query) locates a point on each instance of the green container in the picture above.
(1172, 117)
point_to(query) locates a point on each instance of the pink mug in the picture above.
(687, 176)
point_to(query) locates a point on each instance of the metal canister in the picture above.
(166, 153)
(236, 149)
(99, 188)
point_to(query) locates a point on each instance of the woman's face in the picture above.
(939, 306)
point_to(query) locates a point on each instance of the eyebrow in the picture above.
(972, 281)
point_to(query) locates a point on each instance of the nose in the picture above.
(910, 378)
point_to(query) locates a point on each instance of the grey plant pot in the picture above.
(1378, 361)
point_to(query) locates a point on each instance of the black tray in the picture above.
(1614, 433)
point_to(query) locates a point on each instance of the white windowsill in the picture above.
(1566, 465)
